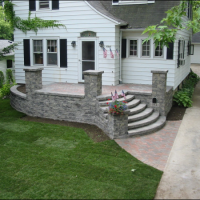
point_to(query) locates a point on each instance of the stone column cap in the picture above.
(159, 72)
(33, 69)
(93, 72)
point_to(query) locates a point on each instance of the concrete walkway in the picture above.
(181, 178)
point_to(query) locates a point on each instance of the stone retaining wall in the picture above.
(77, 108)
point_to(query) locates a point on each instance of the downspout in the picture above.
(120, 58)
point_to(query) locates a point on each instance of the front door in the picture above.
(87, 56)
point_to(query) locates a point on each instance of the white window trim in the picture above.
(133, 2)
(44, 43)
(43, 9)
(182, 58)
(138, 47)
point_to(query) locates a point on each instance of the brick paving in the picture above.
(152, 149)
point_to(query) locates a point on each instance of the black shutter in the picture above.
(55, 5)
(123, 49)
(115, 1)
(26, 52)
(170, 51)
(63, 53)
(178, 60)
(183, 49)
(32, 6)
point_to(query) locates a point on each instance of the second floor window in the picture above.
(43, 4)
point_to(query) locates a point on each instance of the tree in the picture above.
(6, 31)
(166, 31)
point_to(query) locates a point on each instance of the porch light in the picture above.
(101, 44)
(73, 43)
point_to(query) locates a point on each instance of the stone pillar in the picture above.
(118, 125)
(93, 83)
(159, 84)
(33, 79)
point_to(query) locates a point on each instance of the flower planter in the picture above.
(118, 124)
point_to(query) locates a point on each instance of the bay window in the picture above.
(146, 48)
(158, 51)
(133, 48)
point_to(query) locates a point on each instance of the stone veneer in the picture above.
(82, 108)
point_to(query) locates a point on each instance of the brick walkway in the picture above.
(152, 149)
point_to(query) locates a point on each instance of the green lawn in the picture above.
(45, 161)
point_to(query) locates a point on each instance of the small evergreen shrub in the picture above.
(2, 79)
(183, 97)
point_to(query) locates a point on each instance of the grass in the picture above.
(46, 161)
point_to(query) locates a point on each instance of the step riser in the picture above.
(137, 111)
(140, 118)
(131, 127)
(105, 98)
(147, 131)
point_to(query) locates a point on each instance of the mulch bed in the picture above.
(95, 133)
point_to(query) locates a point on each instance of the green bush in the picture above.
(2, 79)
(183, 97)
(5, 90)
(9, 77)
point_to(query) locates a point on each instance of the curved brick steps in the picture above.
(142, 115)
(141, 120)
(144, 122)
(149, 128)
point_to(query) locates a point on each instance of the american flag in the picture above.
(111, 54)
(123, 94)
(116, 51)
(104, 53)
(113, 97)
(116, 95)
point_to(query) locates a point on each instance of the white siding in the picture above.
(77, 16)
(196, 57)
(138, 70)
(182, 71)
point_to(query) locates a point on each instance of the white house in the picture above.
(196, 42)
(8, 61)
(92, 28)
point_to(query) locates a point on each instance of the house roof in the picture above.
(196, 38)
(136, 15)
(6, 43)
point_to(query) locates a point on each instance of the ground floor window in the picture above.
(9, 64)
(45, 52)
(146, 48)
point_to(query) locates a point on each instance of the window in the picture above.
(37, 52)
(128, 2)
(43, 4)
(45, 52)
(181, 52)
(146, 48)
(51, 52)
(133, 48)
(158, 51)
(9, 64)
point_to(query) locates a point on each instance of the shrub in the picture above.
(5, 90)
(2, 79)
(9, 77)
(183, 96)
